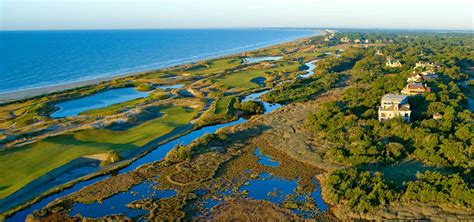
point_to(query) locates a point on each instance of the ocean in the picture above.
(35, 59)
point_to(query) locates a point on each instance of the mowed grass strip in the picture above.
(222, 105)
(242, 79)
(219, 65)
(23, 165)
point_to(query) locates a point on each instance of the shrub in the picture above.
(252, 107)
(438, 189)
(359, 190)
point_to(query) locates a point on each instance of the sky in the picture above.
(138, 14)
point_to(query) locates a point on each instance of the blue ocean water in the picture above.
(33, 59)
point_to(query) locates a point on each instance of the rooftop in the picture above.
(415, 86)
(394, 97)
(405, 108)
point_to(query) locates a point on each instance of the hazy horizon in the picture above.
(180, 14)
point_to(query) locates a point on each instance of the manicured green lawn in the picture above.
(144, 133)
(222, 105)
(23, 165)
(243, 79)
(240, 79)
(218, 66)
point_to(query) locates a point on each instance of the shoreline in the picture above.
(10, 97)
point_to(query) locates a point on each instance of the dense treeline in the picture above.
(357, 139)
(359, 190)
(302, 89)
(250, 107)
(438, 189)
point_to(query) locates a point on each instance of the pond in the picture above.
(103, 99)
(117, 204)
(169, 87)
(274, 189)
(261, 59)
(265, 160)
(277, 190)
(96, 101)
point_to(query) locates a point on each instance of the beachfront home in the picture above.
(357, 41)
(345, 39)
(415, 78)
(422, 77)
(437, 116)
(427, 75)
(394, 105)
(424, 65)
(393, 63)
(413, 89)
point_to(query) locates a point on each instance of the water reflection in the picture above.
(261, 59)
(96, 101)
(117, 204)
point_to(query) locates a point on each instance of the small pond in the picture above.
(261, 59)
(96, 101)
(176, 86)
(265, 160)
(103, 99)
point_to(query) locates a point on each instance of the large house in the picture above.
(416, 88)
(415, 78)
(345, 39)
(394, 105)
(393, 63)
(424, 65)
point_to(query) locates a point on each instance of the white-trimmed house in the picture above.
(393, 63)
(413, 89)
(345, 39)
(394, 105)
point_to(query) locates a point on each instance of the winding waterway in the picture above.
(157, 154)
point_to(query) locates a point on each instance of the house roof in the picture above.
(394, 97)
(418, 86)
(415, 86)
(403, 108)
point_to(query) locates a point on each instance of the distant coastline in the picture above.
(13, 96)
